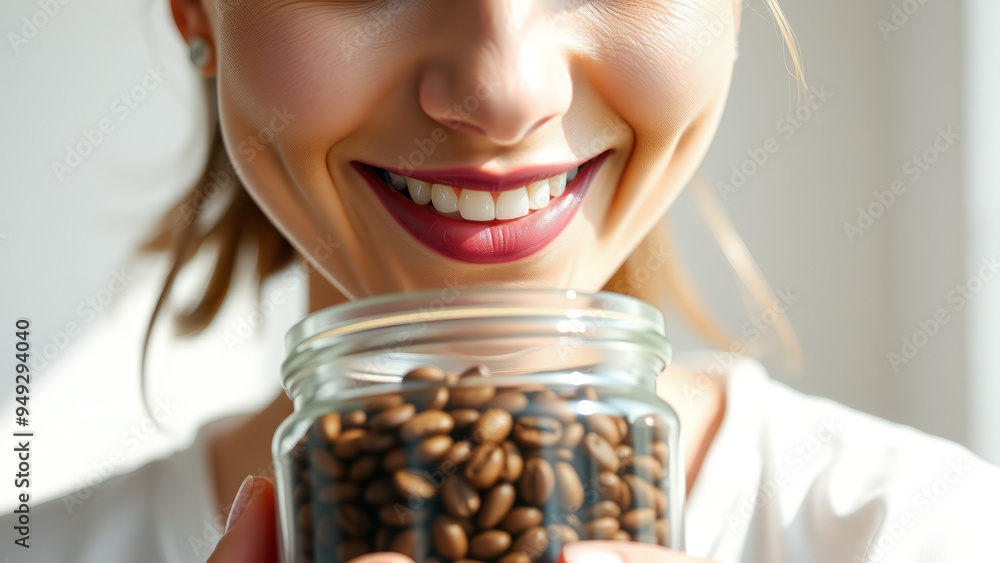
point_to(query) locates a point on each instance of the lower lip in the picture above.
(485, 242)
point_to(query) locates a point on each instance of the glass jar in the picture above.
(489, 425)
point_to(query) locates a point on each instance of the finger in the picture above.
(382, 558)
(251, 530)
(593, 551)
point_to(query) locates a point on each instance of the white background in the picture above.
(61, 242)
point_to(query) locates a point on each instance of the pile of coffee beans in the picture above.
(446, 472)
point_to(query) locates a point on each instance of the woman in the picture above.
(369, 133)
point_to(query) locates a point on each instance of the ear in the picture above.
(192, 20)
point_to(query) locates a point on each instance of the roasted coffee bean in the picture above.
(470, 397)
(570, 488)
(327, 464)
(623, 429)
(562, 533)
(449, 538)
(348, 445)
(520, 518)
(661, 452)
(513, 462)
(363, 468)
(410, 542)
(490, 544)
(435, 399)
(514, 557)
(549, 404)
(411, 485)
(352, 520)
(433, 448)
(340, 491)
(379, 492)
(399, 515)
(427, 423)
(603, 508)
(459, 497)
(587, 392)
(573, 521)
(610, 486)
(493, 426)
(603, 528)
(537, 482)
(375, 442)
(623, 452)
(497, 503)
(662, 532)
(605, 427)
(300, 492)
(660, 501)
(484, 467)
(601, 451)
(642, 492)
(391, 418)
(464, 418)
(513, 402)
(355, 419)
(532, 432)
(647, 467)
(396, 458)
(572, 436)
(564, 455)
(424, 373)
(532, 542)
(457, 454)
(330, 425)
(382, 402)
(638, 518)
(304, 516)
(622, 535)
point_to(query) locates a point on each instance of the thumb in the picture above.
(592, 551)
(251, 533)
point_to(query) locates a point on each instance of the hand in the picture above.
(251, 537)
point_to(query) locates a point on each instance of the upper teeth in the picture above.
(480, 205)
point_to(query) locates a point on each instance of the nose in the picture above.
(499, 74)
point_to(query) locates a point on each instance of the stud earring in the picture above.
(201, 51)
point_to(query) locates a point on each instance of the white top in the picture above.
(788, 477)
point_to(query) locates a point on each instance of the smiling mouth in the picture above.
(480, 218)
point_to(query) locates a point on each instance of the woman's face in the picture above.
(482, 110)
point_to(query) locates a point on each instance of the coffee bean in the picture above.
(330, 425)
(327, 464)
(379, 492)
(562, 533)
(459, 497)
(623, 452)
(622, 535)
(459, 453)
(603, 508)
(570, 487)
(484, 467)
(496, 505)
(601, 451)
(374, 442)
(411, 485)
(489, 544)
(564, 455)
(304, 516)
(661, 452)
(464, 418)
(348, 445)
(382, 402)
(572, 436)
(537, 482)
(410, 542)
(647, 467)
(603, 528)
(532, 542)
(435, 399)
(513, 402)
(341, 491)
(494, 426)
(605, 427)
(520, 518)
(433, 448)
(660, 502)
(355, 418)
(514, 557)
(363, 468)
(352, 520)
(392, 417)
(642, 492)
(424, 373)
(427, 423)
(610, 486)
(623, 429)
(449, 538)
(662, 532)
(470, 397)
(550, 404)
(399, 515)
(638, 518)
(394, 459)
(587, 392)
(513, 462)
(533, 432)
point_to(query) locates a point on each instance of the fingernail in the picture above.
(583, 554)
(241, 501)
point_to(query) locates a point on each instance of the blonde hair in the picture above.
(186, 231)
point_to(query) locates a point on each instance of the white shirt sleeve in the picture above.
(790, 477)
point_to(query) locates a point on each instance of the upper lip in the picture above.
(476, 179)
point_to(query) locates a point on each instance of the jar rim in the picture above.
(394, 309)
